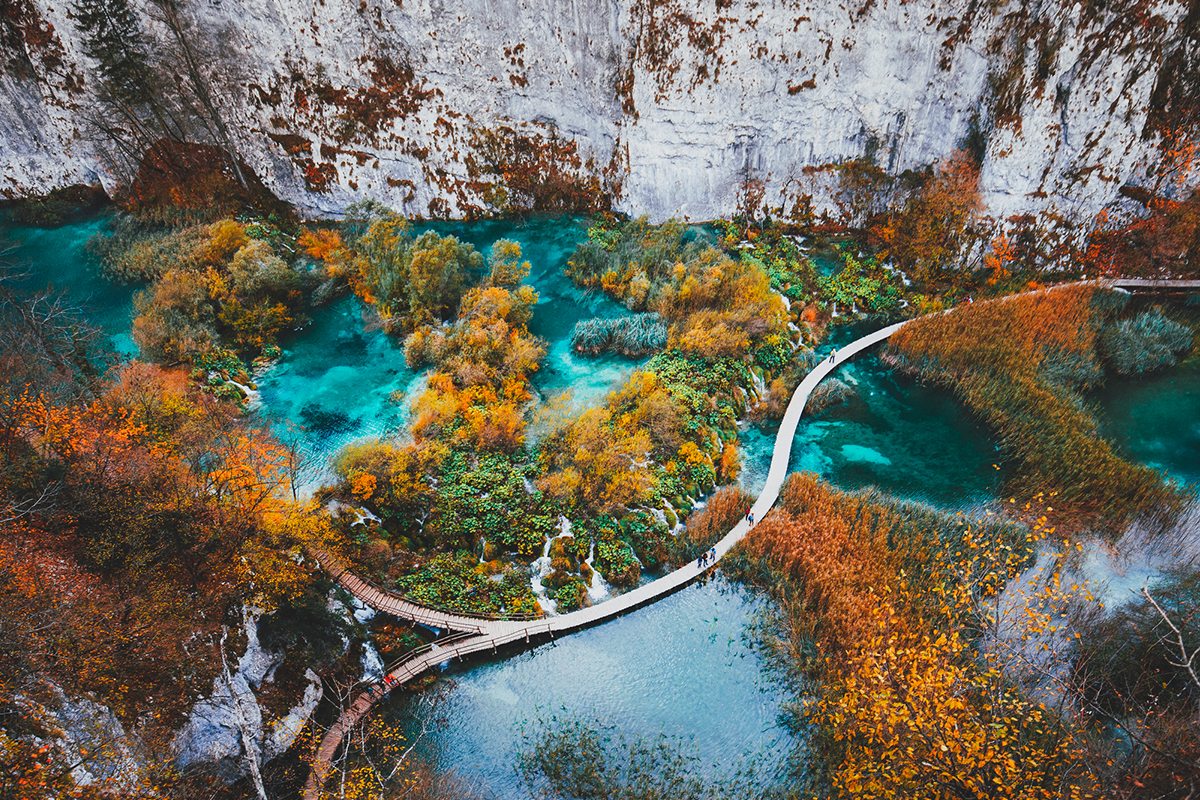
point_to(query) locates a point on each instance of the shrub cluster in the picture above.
(638, 335)
(715, 306)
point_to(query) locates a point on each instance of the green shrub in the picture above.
(633, 336)
(1146, 342)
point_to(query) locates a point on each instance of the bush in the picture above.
(1146, 342)
(638, 335)
(706, 527)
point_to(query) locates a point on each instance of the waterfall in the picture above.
(542, 569)
(599, 589)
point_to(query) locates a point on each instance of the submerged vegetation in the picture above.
(634, 336)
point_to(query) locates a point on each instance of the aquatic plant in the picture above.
(634, 336)
(574, 757)
(860, 283)
(716, 307)
(1007, 360)
(1146, 342)
(829, 392)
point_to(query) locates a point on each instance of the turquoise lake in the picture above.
(682, 666)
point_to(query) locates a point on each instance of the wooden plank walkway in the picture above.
(491, 634)
(1150, 283)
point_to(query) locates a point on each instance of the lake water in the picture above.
(680, 666)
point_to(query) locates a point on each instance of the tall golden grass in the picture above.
(1019, 363)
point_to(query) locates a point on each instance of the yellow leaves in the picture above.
(363, 486)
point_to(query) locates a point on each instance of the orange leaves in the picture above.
(321, 243)
(363, 486)
(918, 717)
(1002, 254)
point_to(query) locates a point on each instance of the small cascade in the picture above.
(363, 613)
(482, 549)
(542, 569)
(253, 398)
(760, 385)
(599, 588)
(372, 664)
(335, 506)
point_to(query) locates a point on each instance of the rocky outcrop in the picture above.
(662, 107)
(228, 727)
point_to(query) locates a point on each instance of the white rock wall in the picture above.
(671, 108)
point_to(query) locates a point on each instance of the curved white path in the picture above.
(489, 634)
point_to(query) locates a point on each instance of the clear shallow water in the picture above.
(339, 383)
(336, 382)
(917, 442)
(678, 667)
(57, 259)
(1155, 419)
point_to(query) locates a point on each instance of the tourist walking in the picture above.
(833, 355)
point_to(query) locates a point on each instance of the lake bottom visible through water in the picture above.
(681, 667)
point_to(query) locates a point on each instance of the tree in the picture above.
(113, 37)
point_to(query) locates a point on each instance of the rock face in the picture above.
(662, 107)
(227, 727)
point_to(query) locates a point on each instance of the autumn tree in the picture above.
(412, 281)
(936, 228)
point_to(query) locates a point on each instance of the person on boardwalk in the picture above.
(700, 560)
(751, 516)
(833, 355)
(712, 556)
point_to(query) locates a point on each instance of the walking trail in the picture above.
(480, 634)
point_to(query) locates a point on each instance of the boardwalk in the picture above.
(480, 634)
(1150, 283)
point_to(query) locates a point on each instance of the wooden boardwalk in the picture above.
(483, 634)
(1151, 283)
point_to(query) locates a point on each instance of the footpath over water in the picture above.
(476, 634)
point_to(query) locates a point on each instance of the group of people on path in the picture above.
(706, 558)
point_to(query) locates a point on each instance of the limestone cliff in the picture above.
(664, 107)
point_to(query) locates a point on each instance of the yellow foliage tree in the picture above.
(915, 715)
